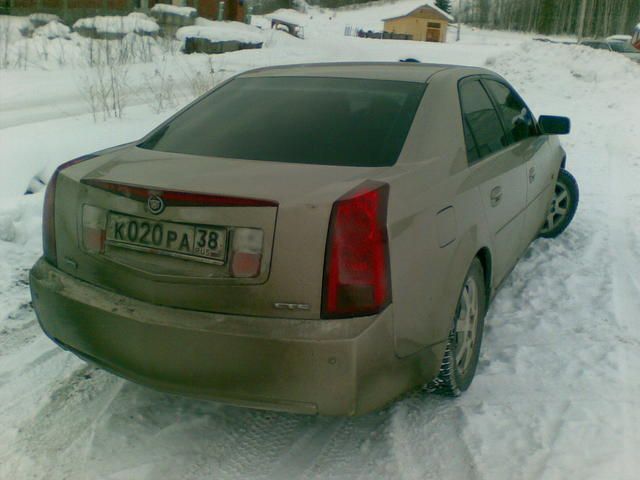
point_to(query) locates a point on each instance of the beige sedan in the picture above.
(311, 238)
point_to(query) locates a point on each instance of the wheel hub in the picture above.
(466, 325)
(558, 209)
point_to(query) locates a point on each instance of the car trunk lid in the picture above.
(269, 221)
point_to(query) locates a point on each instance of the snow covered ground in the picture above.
(557, 392)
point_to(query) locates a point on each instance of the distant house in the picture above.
(426, 23)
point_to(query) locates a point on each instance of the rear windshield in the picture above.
(325, 121)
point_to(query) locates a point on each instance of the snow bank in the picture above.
(290, 16)
(52, 30)
(221, 32)
(568, 65)
(57, 142)
(39, 19)
(14, 28)
(174, 10)
(133, 23)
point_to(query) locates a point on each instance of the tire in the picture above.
(463, 348)
(563, 206)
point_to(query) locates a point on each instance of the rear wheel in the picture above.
(563, 205)
(463, 348)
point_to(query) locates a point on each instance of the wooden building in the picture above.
(426, 23)
(71, 10)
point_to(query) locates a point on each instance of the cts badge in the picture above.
(291, 306)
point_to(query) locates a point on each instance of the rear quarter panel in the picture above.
(432, 175)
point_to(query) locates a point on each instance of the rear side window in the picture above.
(326, 121)
(484, 134)
(516, 117)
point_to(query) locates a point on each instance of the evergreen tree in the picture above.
(586, 18)
(444, 5)
(546, 16)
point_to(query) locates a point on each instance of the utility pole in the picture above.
(460, 10)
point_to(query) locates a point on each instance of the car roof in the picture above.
(400, 71)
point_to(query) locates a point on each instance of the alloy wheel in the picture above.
(559, 208)
(466, 325)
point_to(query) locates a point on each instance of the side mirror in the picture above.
(552, 125)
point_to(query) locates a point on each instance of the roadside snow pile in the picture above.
(290, 16)
(570, 63)
(52, 30)
(24, 159)
(172, 17)
(40, 19)
(116, 27)
(14, 28)
(163, 8)
(221, 32)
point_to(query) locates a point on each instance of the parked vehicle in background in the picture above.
(619, 38)
(550, 40)
(626, 49)
(635, 37)
(617, 46)
(311, 238)
(596, 44)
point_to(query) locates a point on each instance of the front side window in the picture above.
(484, 134)
(311, 120)
(517, 118)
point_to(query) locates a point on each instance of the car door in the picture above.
(523, 132)
(498, 169)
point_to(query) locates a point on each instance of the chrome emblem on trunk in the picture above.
(155, 204)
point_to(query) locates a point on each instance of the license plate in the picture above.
(192, 242)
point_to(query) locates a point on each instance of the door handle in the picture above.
(532, 174)
(496, 196)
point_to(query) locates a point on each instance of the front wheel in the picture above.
(563, 206)
(463, 349)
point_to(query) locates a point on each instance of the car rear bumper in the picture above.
(331, 367)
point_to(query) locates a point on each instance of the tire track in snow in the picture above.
(359, 448)
(443, 450)
(624, 237)
(302, 454)
(65, 420)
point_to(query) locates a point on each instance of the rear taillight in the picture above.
(357, 277)
(246, 252)
(48, 213)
